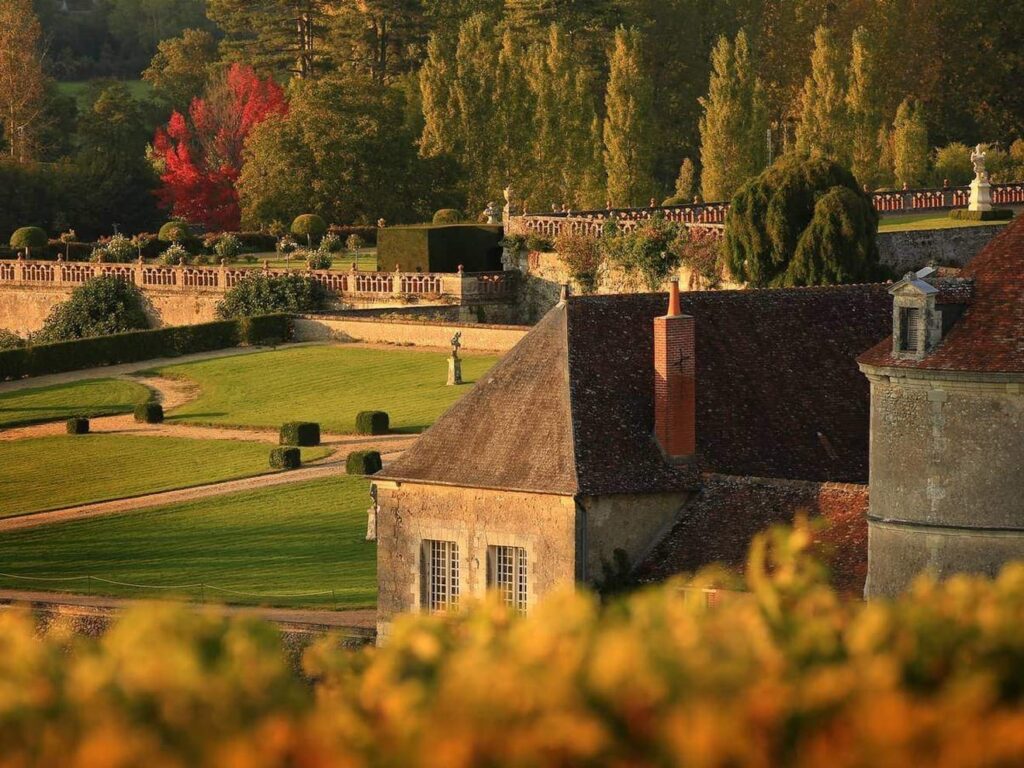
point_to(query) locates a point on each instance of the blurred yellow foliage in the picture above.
(786, 675)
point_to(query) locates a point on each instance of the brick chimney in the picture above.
(675, 398)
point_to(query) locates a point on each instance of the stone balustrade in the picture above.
(710, 217)
(457, 288)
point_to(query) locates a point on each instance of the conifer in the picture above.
(628, 140)
(824, 127)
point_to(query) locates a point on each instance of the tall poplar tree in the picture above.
(824, 126)
(22, 81)
(865, 108)
(734, 126)
(910, 144)
(628, 127)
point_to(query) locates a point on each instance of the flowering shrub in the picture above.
(582, 256)
(287, 245)
(227, 247)
(354, 243)
(785, 675)
(330, 243)
(318, 259)
(176, 254)
(650, 253)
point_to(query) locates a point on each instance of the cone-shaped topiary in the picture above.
(77, 425)
(373, 423)
(303, 433)
(363, 463)
(149, 413)
(285, 458)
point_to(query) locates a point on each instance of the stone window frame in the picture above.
(508, 574)
(440, 582)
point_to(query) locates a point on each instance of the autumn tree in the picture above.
(182, 66)
(22, 81)
(910, 144)
(865, 109)
(735, 122)
(628, 130)
(200, 156)
(824, 126)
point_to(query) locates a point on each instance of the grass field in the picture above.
(308, 537)
(928, 221)
(366, 261)
(100, 397)
(326, 384)
(53, 472)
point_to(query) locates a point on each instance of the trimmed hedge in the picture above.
(372, 423)
(369, 234)
(79, 425)
(448, 216)
(309, 225)
(285, 458)
(363, 463)
(29, 237)
(996, 214)
(477, 247)
(304, 433)
(143, 345)
(149, 413)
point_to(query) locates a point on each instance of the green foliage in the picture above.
(285, 458)
(354, 243)
(41, 359)
(996, 214)
(309, 227)
(535, 242)
(330, 243)
(448, 216)
(181, 67)
(78, 425)
(628, 125)
(176, 254)
(319, 259)
(477, 247)
(149, 413)
(117, 250)
(301, 433)
(910, 144)
(29, 237)
(100, 307)
(734, 123)
(228, 246)
(10, 340)
(582, 257)
(791, 226)
(372, 423)
(953, 164)
(363, 463)
(650, 253)
(259, 294)
(686, 182)
(864, 101)
(174, 232)
(825, 125)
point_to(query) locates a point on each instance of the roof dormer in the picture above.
(916, 322)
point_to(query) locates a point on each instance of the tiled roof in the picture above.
(717, 527)
(570, 410)
(989, 338)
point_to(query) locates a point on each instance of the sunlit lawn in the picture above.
(325, 384)
(302, 538)
(54, 472)
(100, 397)
(366, 261)
(928, 221)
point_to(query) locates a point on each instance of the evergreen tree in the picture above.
(181, 67)
(865, 108)
(735, 121)
(686, 181)
(910, 144)
(824, 127)
(628, 134)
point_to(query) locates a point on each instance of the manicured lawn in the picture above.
(366, 261)
(54, 472)
(296, 539)
(326, 384)
(928, 221)
(101, 397)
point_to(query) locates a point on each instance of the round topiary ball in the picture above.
(448, 216)
(310, 227)
(29, 237)
(174, 232)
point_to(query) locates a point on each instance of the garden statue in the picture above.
(492, 213)
(454, 362)
(981, 189)
(508, 203)
(978, 161)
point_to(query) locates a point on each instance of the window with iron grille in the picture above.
(506, 573)
(909, 322)
(439, 575)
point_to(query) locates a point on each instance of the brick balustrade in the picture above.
(460, 287)
(710, 217)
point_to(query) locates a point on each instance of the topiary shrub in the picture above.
(78, 425)
(285, 458)
(149, 413)
(996, 214)
(310, 227)
(303, 433)
(29, 237)
(448, 216)
(363, 463)
(174, 232)
(373, 423)
(354, 243)
(772, 212)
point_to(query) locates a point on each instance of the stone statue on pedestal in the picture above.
(981, 188)
(492, 213)
(454, 362)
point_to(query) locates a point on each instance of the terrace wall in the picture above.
(475, 337)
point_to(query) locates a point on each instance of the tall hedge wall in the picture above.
(429, 248)
(120, 348)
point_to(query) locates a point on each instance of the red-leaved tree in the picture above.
(200, 156)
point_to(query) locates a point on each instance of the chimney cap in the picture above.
(673, 299)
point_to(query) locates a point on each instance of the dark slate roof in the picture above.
(989, 338)
(570, 410)
(718, 525)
